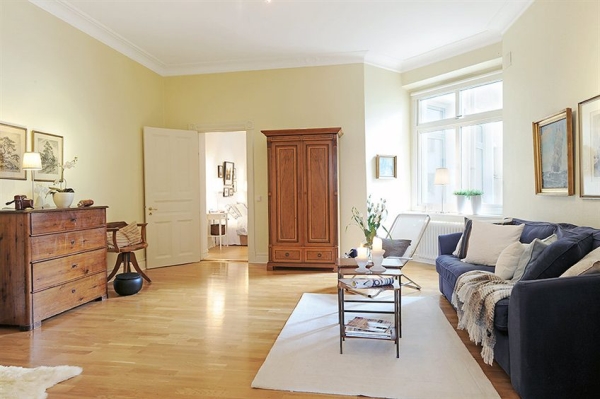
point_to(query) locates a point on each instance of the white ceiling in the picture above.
(178, 37)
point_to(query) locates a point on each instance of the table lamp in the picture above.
(442, 178)
(32, 161)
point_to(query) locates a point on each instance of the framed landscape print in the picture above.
(385, 167)
(589, 147)
(50, 147)
(13, 143)
(553, 154)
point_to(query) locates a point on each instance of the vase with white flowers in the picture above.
(62, 195)
(376, 214)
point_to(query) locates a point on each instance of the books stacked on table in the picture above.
(369, 328)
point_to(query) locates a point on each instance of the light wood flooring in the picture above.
(198, 331)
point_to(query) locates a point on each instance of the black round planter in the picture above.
(127, 283)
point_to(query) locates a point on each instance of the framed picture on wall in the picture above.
(589, 147)
(220, 171)
(553, 154)
(13, 143)
(50, 147)
(228, 173)
(385, 167)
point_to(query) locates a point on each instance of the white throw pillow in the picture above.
(508, 260)
(531, 252)
(588, 265)
(488, 240)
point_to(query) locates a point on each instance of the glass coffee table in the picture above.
(347, 293)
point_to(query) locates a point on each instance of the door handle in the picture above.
(152, 209)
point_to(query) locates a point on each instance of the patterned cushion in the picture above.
(125, 236)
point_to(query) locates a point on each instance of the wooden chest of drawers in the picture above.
(51, 260)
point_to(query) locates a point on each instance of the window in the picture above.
(459, 127)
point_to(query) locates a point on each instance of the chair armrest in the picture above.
(553, 329)
(142, 227)
(112, 237)
(447, 243)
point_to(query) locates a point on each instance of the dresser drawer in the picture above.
(57, 222)
(58, 271)
(61, 244)
(287, 255)
(317, 255)
(55, 300)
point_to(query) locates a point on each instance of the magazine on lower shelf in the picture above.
(368, 282)
(369, 328)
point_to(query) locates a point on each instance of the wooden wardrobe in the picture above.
(303, 197)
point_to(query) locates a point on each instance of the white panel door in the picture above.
(171, 189)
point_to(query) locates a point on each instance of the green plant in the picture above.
(468, 193)
(376, 213)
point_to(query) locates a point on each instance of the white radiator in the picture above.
(428, 248)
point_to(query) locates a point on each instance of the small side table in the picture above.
(346, 267)
(220, 219)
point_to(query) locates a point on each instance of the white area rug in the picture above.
(21, 383)
(433, 361)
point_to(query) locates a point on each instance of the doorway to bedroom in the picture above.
(226, 192)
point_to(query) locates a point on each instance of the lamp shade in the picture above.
(442, 176)
(32, 161)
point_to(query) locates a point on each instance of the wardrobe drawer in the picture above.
(57, 245)
(287, 255)
(57, 299)
(317, 255)
(58, 222)
(58, 271)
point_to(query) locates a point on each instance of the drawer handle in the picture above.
(74, 265)
(74, 220)
(73, 291)
(287, 254)
(72, 242)
(319, 255)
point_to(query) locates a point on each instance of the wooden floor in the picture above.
(198, 331)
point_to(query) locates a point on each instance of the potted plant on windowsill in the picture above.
(464, 197)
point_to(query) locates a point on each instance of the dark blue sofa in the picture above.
(548, 331)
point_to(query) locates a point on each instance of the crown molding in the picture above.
(83, 22)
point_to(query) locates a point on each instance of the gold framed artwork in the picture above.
(385, 166)
(228, 173)
(50, 147)
(588, 112)
(553, 154)
(13, 143)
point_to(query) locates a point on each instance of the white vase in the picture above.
(461, 204)
(63, 200)
(476, 204)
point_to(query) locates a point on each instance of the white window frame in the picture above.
(453, 123)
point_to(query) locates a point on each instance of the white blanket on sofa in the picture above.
(475, 296)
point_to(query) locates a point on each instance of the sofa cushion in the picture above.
(394, 247)
(508, 260)
(487, 240)
(501, 314)
(530, 254)
(559, 256)
(461, 248)
(532, 230)
(449, 267)
(589, 264)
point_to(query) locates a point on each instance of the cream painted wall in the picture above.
(279, 99)
(55, 79)
(555, 48)
(387, 133)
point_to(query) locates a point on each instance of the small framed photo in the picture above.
(220, 171)
(50, 147)
(589, 147)
(553, 154)
(228, 173)
(386, 166)
(13, 143)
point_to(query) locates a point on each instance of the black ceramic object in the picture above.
(128, 283)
